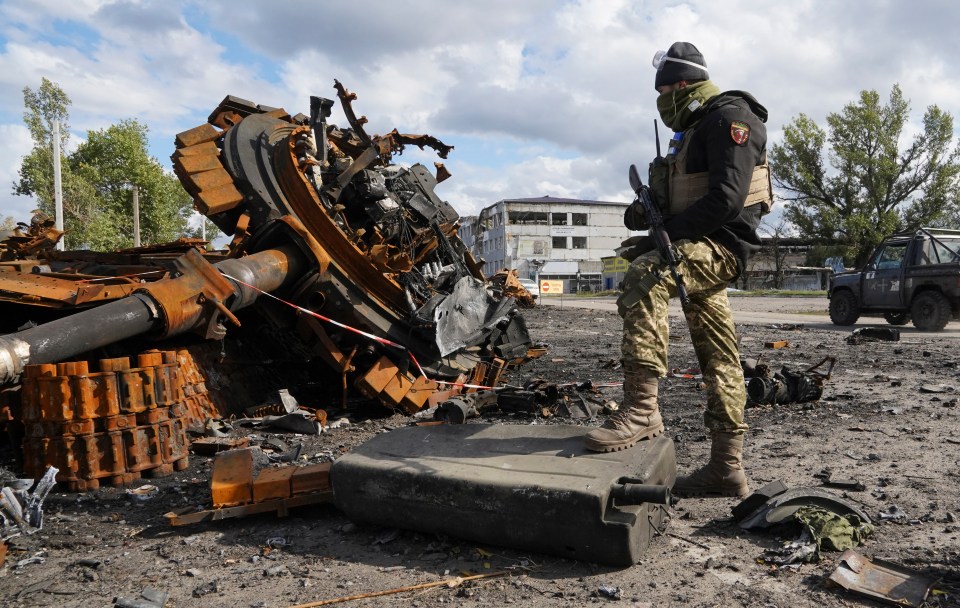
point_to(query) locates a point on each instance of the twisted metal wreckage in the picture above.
(321, 220)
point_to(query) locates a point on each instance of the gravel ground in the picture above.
(888, 418)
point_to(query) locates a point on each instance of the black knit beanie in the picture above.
(682, 62)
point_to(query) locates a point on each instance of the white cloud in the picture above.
(16, 144)
(559, 92)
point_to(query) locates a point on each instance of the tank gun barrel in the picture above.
(195, 300)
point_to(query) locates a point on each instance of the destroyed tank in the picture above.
(358, 254)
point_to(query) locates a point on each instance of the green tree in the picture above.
(47, 104)
(112, 161)
(871, 187)
(97, 179)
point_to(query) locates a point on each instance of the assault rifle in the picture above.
(655, 221)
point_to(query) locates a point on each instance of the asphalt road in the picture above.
(811, 311)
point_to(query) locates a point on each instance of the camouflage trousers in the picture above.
(707, 269)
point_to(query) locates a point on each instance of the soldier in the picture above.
(712, 187)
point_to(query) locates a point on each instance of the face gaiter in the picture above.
(679, 108)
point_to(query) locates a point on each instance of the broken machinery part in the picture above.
(113, 425)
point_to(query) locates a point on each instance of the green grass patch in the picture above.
(779, 292)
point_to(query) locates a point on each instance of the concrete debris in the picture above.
(610, 592)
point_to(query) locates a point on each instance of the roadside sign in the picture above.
(551, 287)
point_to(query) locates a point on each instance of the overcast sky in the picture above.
(538, 97)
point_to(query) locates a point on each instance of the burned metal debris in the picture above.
(112, 425)
(21, 508)
(536, 397)
(363, 250)
(880, 580)
(786, 386)
(354, 257)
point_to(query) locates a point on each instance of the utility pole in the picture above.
(136, 216)
(57, 185)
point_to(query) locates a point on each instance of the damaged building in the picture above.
(548, 238)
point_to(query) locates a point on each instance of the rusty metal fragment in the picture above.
(777, 344)
(27, 240)
(881, 580)
(506, 282)
(113, 425)
(237, 490)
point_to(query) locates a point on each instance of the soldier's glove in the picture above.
(635, 246)
(635, 218)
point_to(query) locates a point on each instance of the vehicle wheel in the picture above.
(897, 318)
(930, 310)
(844, 309)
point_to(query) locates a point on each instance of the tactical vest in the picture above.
(675, 190)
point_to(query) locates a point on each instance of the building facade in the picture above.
(547, 238)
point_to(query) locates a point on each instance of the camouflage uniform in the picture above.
(707, 268)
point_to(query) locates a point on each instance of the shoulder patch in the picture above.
(739, 132)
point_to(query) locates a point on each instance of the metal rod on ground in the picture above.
(451, 582)
(57, 185)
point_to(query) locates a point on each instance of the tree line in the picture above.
(97, 179)
(854, 183)
(845, 187)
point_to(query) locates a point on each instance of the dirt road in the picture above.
(811, 311)
(889, 418)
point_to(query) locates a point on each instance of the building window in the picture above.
(579, 242)
(559, 242)
(579, 219)
(528, 217)
(558, 219)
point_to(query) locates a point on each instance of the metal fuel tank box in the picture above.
(531, 487)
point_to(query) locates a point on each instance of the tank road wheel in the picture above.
(844, 309)
(897, 318)
(931, 311)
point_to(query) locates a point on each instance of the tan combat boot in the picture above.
(722, 476)
(638, 419)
